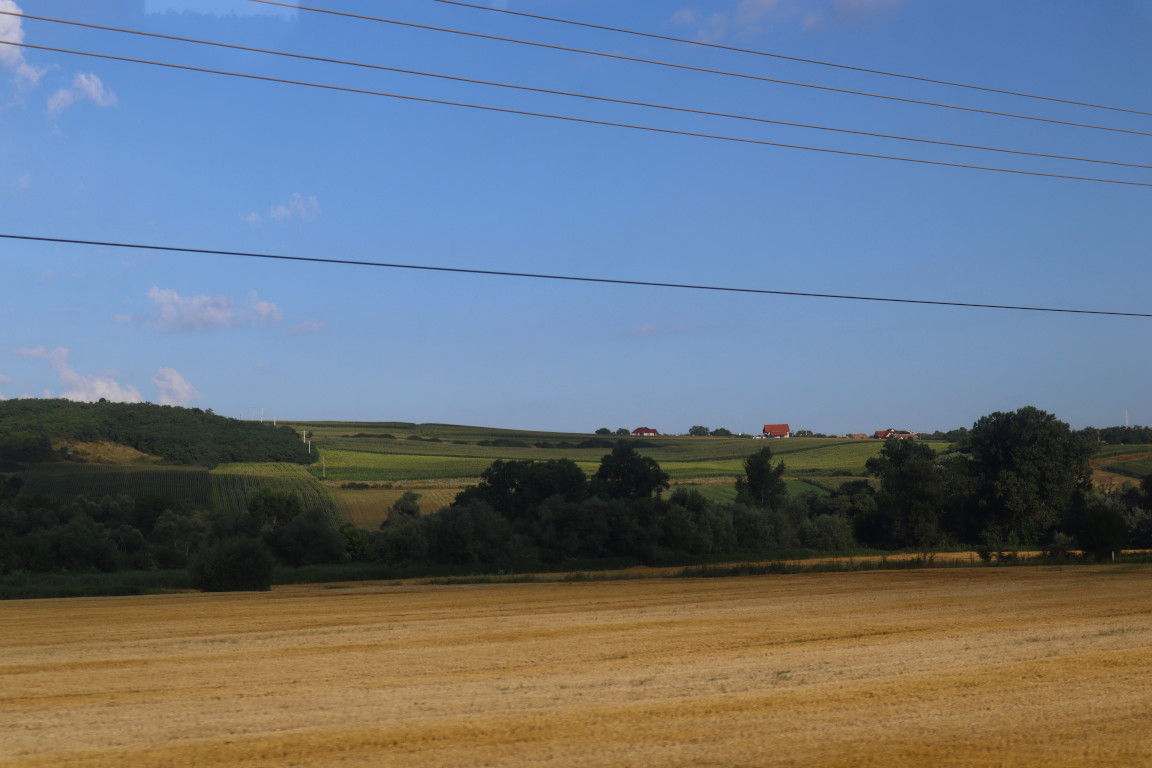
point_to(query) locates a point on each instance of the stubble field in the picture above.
(1021, 666)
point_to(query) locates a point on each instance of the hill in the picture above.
(34, 431)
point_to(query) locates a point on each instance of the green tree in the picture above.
(408, 505)
(721, 432)
(762, 485)
(236, 564)
(911, 495)
(516, 489)
(273, 508)
(1101, 528)
(623, 431)
(308, 539)
(625, 474)
(603, 431)
(698, 431)
(1030, 468)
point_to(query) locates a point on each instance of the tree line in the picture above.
(1019, 479)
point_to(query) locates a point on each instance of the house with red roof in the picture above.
(777, 430)
(644, 432)
(899, 434)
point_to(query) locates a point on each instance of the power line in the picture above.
(568, 278)
(570, 94)
(573, 119)
(705, 70)
(756, 52)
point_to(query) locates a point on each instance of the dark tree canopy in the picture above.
(762, 485)
(625, 474)
(698, 431)
(1029, 467)
(515, 488)
(911, 494)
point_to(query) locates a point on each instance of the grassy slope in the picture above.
(373, 459)
(439, 470)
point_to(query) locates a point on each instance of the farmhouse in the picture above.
(644, 431)
(899, 434)
(777, 430)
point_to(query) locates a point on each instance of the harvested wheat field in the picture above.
(1022, 666)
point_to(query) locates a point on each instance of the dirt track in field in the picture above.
(939, 667)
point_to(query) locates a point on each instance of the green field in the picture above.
(1134, 461)
(356, 452)
(1120, 449)
(1135, 468)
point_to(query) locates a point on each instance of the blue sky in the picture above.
(101, 150)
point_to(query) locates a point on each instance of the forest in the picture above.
(183, 436)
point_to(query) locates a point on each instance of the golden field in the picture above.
(1022, 666)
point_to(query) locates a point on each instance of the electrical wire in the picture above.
(568, 278)
(655, 62)
(757, 52)
(591, 97)
(573, 119)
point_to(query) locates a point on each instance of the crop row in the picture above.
(64, 482)
(223, 490)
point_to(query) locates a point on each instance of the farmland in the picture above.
(357, 452)
(439, 460)
(942, 667)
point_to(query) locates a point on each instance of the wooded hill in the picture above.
(31, 430)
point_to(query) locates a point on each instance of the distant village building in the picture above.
(858, 436)
(645, 432)
(899, 434)
(777, 430)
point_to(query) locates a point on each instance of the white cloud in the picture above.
(11, 56)
(254, 219)
(221, 8)
(85, 87)
(32, 352)
(201, 313)
(265, 310)
(174, 388)
(89, 389)
(298, 208)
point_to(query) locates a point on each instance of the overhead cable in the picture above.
(573, 119)
(568, 278)
(771, 54)
(705, 70)
(570, 94)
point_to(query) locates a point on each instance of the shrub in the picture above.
(233, 565)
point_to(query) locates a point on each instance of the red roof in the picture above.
(776, 429)
(644, 431)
